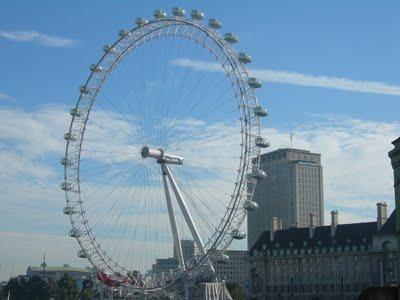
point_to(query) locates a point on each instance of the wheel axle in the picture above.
(161, 156)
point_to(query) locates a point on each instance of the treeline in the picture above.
(35, 288)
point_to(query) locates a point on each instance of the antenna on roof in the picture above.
(291, 139)
(43, 265)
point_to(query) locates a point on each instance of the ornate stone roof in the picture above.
(345, 234)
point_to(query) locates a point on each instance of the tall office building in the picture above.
(291, 192)
(235, 269)
(189, 250)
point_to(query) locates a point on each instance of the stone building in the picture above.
(52, 273)
(189, 250)
(336, 261)
(395, 160)
(235, 268)
(165, 265)
(292, 190)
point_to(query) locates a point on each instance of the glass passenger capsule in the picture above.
(95, 68)
(261, 142)
(123, 32)
(237, 234)
(244, 58)
(250, 205)
(66, 186)
(69, 210)
(84, 90)
(214, 23)
(82, 254)
(196, 14)
(257, 174)
(108, 48)
(178, 11)
(254, 83)
(70, 137)
(66, 162)
(141, 21)
(260, 111)
(231, 38)
(159, 14)
(75, 112)
(74, 233)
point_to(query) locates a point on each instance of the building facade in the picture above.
(189, 250)
(395, 160)
(325, 262)
(235, 268)
(165, 265)
(52, 273)
(292, 190)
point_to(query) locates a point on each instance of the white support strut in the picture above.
(174, 229)
(164, 159)
(188, 216)
(185, 212)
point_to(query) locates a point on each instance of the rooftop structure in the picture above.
(291, 191)
(338, 260)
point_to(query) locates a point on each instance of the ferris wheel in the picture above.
(163, 149)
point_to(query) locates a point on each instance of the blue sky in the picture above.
(47, 46)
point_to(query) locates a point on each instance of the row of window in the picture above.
(316, 288)
(295, 251)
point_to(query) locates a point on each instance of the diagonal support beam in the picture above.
(187, 216)
(185, 212)
(174, 229)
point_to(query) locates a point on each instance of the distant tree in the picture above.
(16, 288)
(52, 288)
(66, 288)
(87, 295)
(20, 289)
(87, 292)
(36, 288)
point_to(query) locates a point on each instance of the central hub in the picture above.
(161, 156)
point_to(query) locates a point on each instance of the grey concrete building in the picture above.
(292, 190)
(189, 250)
(235, 268)
(325, 262)
(52, 273)
(165, 265)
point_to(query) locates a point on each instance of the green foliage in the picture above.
(87, 290)
(87, 295)
(66, 288)
(36, 289)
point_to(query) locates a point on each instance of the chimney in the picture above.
(280, 224)
(274, 227)
(381, 217)
(313, 224)
(334, 222)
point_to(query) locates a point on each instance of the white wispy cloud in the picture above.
(296, 78)
(357, 170)
(38, 37)
(5, 97)
(357, 173)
